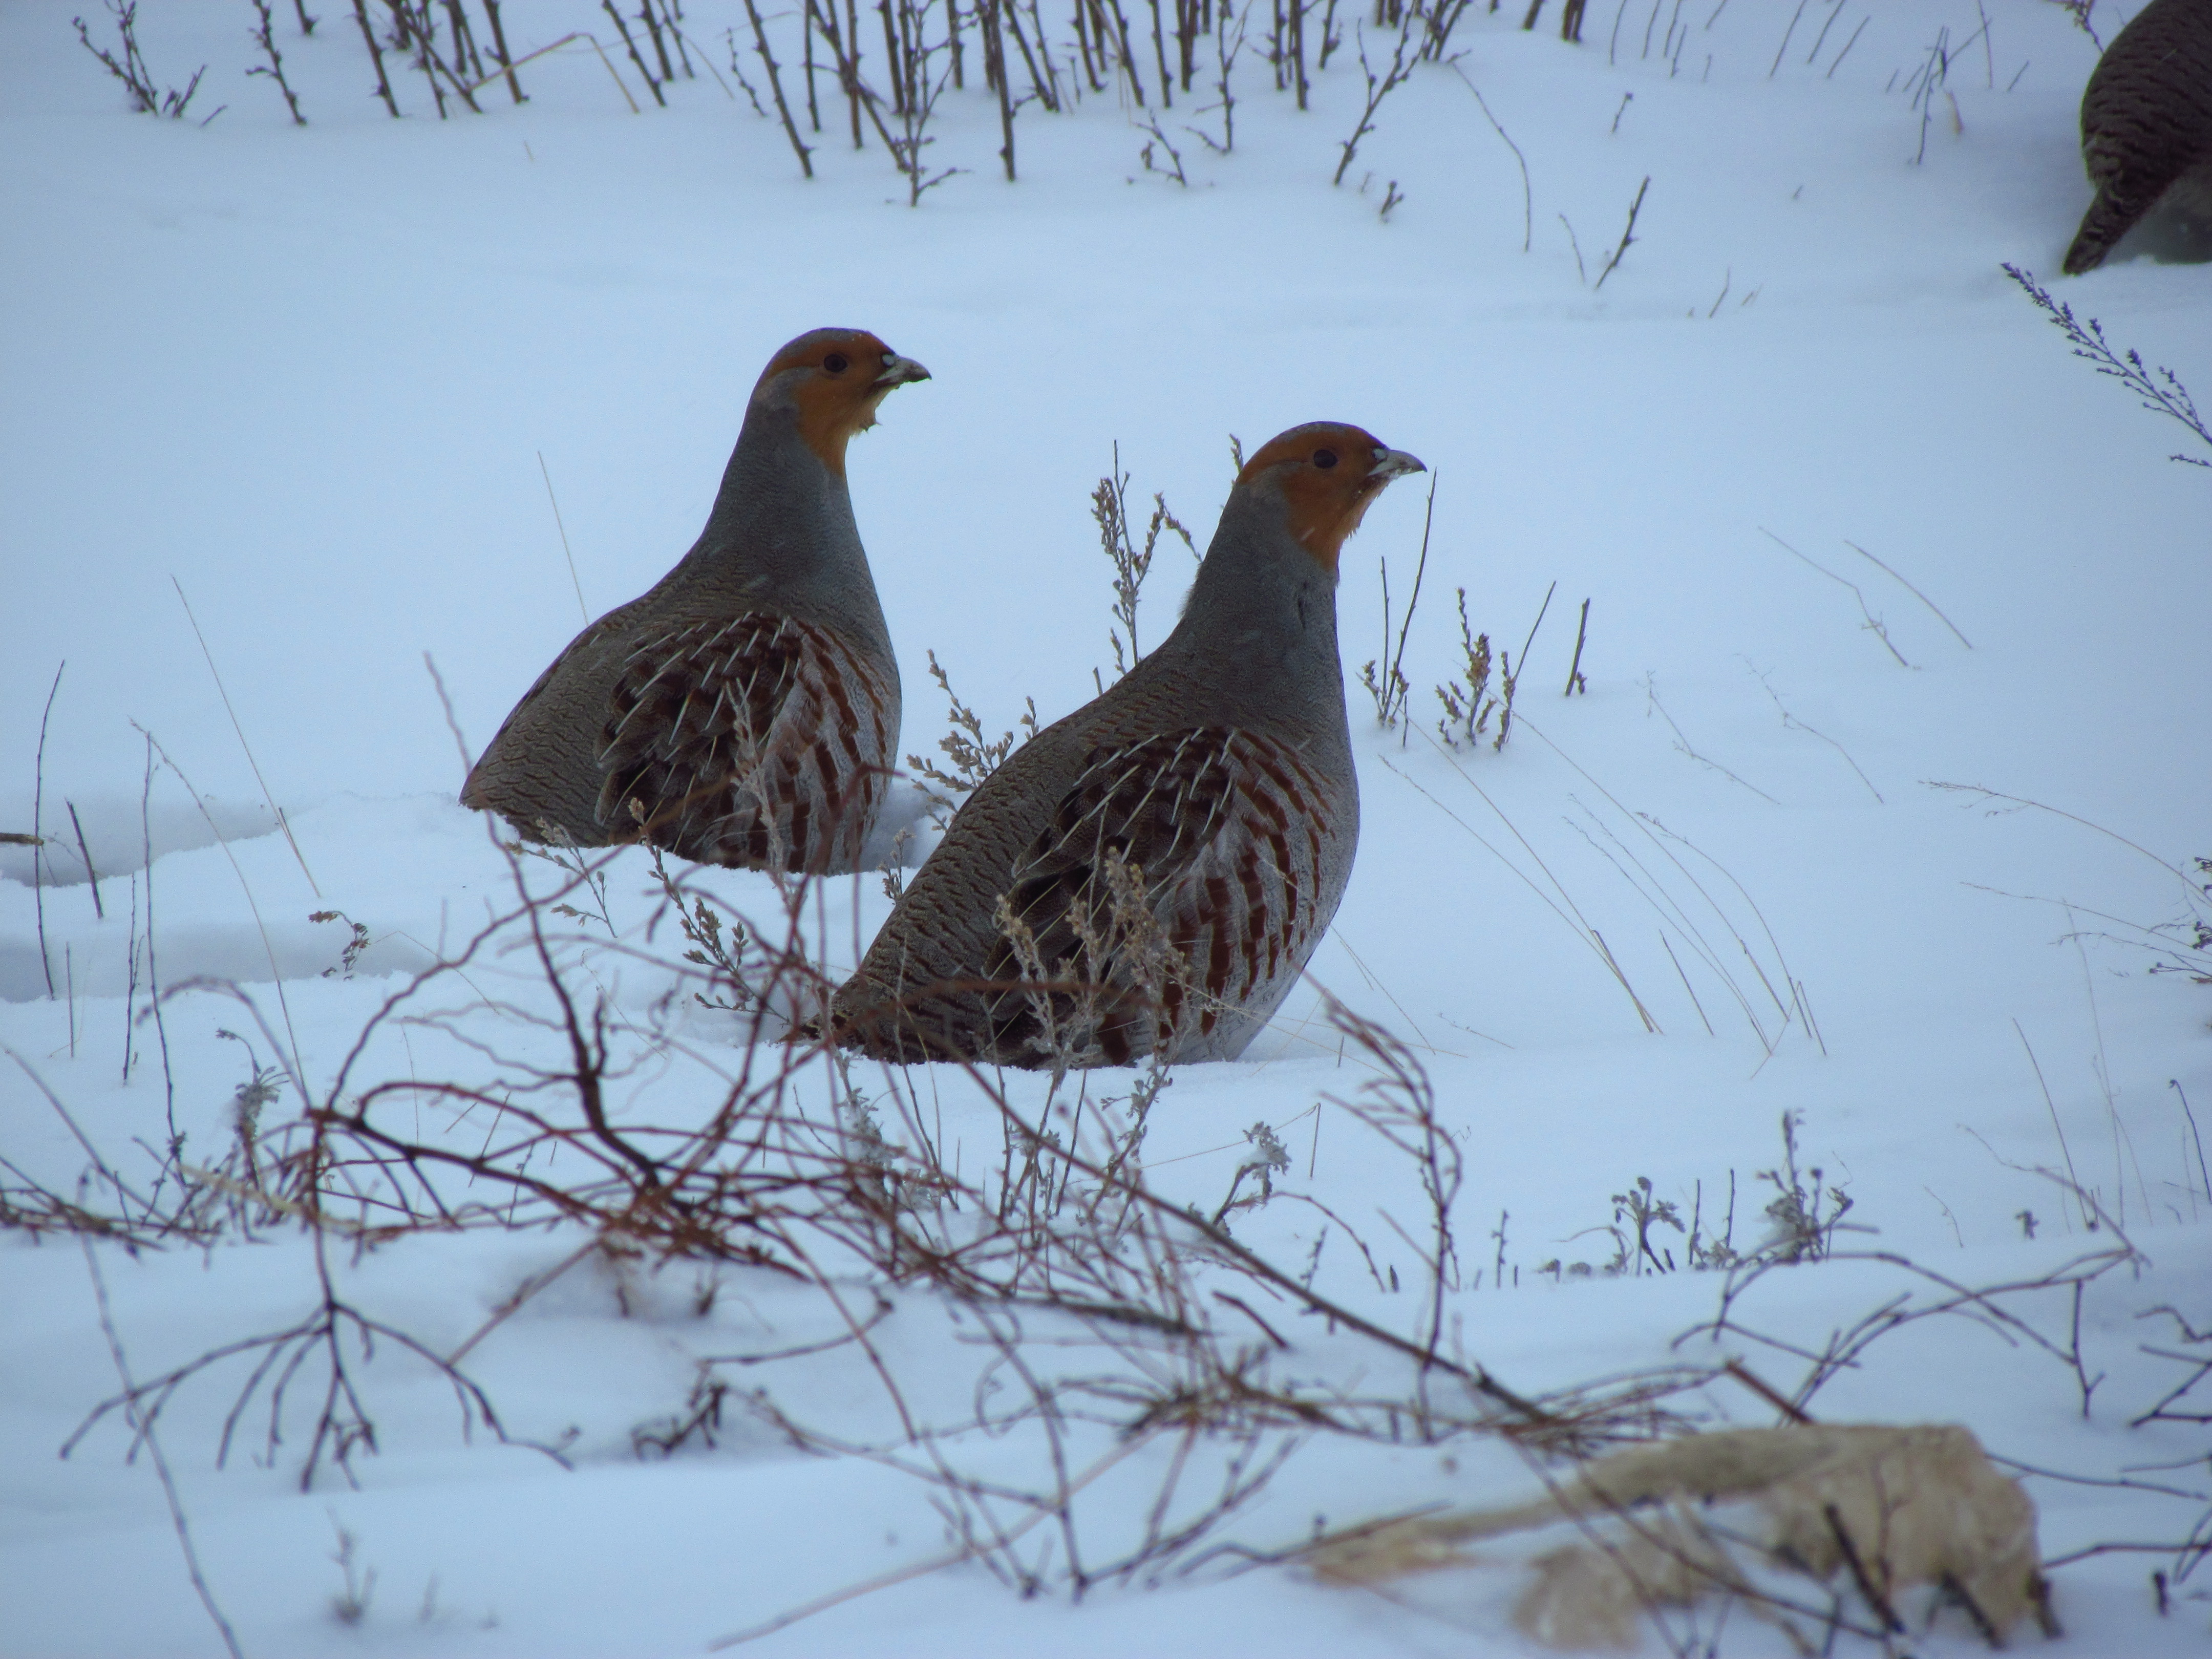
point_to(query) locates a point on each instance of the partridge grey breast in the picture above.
(1216, 777)
(745, 710)
(2146, 126)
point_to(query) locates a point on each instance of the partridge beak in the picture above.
(899, 371)
(1394, 464)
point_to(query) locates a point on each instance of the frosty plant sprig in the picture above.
(1110, 510)
(2160, 389)
(131, 68)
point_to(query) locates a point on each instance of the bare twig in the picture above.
(1627, 235)
(142, 1429)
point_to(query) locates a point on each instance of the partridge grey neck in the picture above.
(1256, 645)
(781, 535)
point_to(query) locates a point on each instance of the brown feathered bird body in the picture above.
(1175, 848)
(2147, 127)
(745, 710)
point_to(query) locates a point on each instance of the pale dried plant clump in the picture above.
(1884, 1510)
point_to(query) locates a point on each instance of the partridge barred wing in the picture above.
(1227, 829)
(757, 741)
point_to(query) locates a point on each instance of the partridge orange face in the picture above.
(1329, 473)
(835, 378)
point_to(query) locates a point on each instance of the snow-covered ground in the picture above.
(1807, 443)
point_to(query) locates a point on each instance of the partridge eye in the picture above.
(1324, 458)
(836, 362)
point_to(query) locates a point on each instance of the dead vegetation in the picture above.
(1116, 1314)
(1879, 1511)
(1110, 510)
(2158, 390)
(970, 756)
(128, 65)
(891, 80)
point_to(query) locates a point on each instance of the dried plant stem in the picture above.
(91, 875)
(575, 581)
(1403, 56)
(376, 56)
(130, 69)
(1476, 1376)
(1911, 589)
(153, 965)
(504, 58)
(967, 1550)
(1044, 85)
(1627, 234)
(1396, 687)
(142, 1430)
(1874, 625)
(1510, 676)
(635, 57)
(2161, 392)
(275, 811)
(1527, 200)
(37, 830)
(776, 89)
(268, 946)
(274, 68)
(994, 73)
(1556, 900)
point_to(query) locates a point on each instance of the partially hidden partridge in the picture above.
(2147, 127)
(1174, 849)
(745, 711)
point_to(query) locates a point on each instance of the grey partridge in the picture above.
(2147, 127)
(745, 710)
(1149, 875)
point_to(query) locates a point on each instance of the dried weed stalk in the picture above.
(1110, 510)
(1466, 697)
(973, 756)
(130, 66)
(1388, 687)
(2159, 391)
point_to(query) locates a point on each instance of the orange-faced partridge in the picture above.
(745, 711)
(1149, 875)
(2147, 127)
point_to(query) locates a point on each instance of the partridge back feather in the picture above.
(1229, 836)
(2147, 126)
(760, 741)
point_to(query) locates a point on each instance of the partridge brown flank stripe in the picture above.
(1221, 767)
(745, 711)
(2146, 126)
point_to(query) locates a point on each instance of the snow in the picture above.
(309, 373)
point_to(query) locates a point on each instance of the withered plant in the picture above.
(1120, 1321)
(1384, 677)
(2159, 390)
(1127, 1316)
(1109, 511)
(972, 757)
(274, 67)
(1466, 696)
(125, 61)
(1404, 53)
